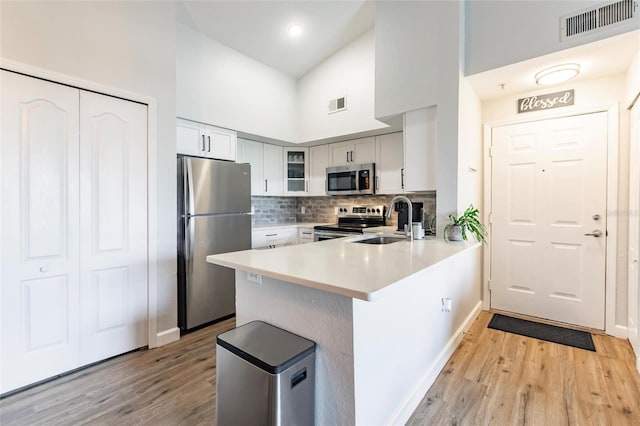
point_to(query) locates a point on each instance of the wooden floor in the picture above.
(499, 378)
(492, 378)
(171, 385)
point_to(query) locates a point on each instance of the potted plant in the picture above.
(466, 222)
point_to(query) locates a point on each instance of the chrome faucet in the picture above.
(410, 206)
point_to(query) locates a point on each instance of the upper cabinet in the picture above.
(266, 166)
(296, 169)
(357, 151)
(206, 141)
(389, 164)
(420, 150)
(318, 163)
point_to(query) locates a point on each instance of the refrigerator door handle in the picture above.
(189, 198)
(189, 243)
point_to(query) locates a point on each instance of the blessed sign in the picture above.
(548, 101)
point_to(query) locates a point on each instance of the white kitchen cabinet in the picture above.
(274, 237)
(389, 164)
(296, 171)
(73, 288)
(420, 150)
(356, 151)
(201, 140)
(272, 170)
(318, 163)
(305, 235)
(266, 166)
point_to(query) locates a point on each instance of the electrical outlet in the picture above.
(303, 210)
(256, 278)
(446, 304)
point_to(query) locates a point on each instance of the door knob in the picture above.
(596, 233)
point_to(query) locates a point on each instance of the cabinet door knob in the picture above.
(203, 147)
(44, 269)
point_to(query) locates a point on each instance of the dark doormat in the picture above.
(550, 333)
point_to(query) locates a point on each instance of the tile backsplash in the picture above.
(322, 209)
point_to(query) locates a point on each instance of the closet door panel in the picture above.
(113, 175)
(39, 227)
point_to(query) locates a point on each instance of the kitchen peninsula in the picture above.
(375, 311)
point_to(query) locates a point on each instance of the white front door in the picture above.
(548, 229)
(39, 228)
(113, 226)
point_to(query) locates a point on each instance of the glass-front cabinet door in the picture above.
(296, 163)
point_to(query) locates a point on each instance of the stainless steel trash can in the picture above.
(264, 376)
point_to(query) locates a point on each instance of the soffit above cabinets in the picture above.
(258, 29)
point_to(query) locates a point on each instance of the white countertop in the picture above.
(338, 266)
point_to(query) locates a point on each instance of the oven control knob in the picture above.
(368, 210)
(377, 210)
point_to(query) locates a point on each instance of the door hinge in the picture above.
(491, 218)
(491, 151)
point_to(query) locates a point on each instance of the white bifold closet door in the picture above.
(73, 221)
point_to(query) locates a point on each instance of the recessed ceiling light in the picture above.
(557, 74)
(295, 30)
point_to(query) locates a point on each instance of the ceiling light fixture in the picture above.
(557, 74)
(295, 30)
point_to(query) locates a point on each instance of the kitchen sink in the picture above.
(380, 240)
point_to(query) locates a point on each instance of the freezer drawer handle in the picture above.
(298, 377)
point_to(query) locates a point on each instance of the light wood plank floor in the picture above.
(493, 378)
(499, 378)
(171, 385)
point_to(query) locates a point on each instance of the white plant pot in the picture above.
(453, 233)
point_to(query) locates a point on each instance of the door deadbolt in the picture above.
(596, 217)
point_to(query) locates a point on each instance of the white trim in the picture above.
(486, 258)
(612, 202)
(167, 336)
(152, 276)
(619, 331)
(638, 363)
(402, 415)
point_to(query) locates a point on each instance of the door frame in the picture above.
(612, 204)
(154, 338)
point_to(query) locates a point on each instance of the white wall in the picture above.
(126, 45)
(350, 72)
(632, 83)
(505, 32)
(470, 152)
(220, 86)
(406, 62)
(601, 92)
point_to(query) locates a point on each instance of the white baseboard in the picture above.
(167, 336)
(638, 363)
(619, 331)
(411, 403)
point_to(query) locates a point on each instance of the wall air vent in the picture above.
(338, 104)
(595, 18)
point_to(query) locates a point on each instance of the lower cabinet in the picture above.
(74, 228)
(305, 235)
(274, 237)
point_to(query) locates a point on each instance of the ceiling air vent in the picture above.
(338, 104)
(598, 17)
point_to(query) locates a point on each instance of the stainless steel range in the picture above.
(352, 220)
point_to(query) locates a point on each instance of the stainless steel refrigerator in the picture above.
(214, 201)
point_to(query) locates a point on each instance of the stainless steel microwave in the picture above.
(352, 179)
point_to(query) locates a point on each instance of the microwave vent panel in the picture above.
(596, 18)
(338, 104)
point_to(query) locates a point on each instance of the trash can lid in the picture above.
(263, 345)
